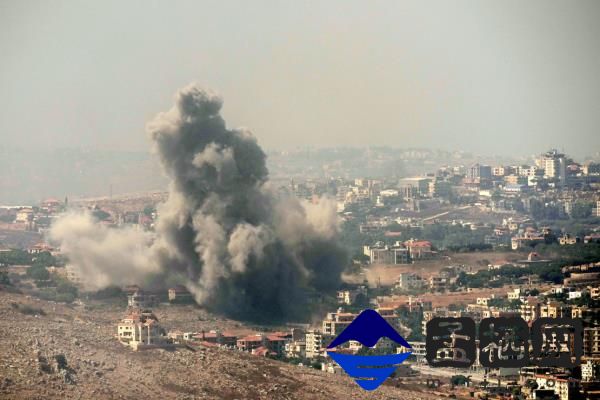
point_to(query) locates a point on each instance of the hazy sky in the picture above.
(491, 77)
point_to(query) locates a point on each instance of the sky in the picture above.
(495, 78)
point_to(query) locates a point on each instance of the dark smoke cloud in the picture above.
(223, 232)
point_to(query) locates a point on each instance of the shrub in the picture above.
(27, 309)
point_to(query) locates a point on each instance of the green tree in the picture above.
(38, 273)
(582, 210)
(459, 380)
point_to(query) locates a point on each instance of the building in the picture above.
(577, 279)
(383, 254)
(591, 342)
(530, 309)
(40, 248)
(414, 187)
(516, 188)
(73, 274)
(568, 239)
(530, 239)
(315, 343)
(438, 283)
(180, 294)
(276, 342)
(498, 171)
(295, 349)
(549, 385)
(336, 322)
(418, 249)
(250, 342)
(515, 180)
(554, 165)
(479, 172)
(273, 342)
(418, 350)
(515, 294)
(141, 330)
(215, 336)
(591, 168)
(349, 296)
(555, 309)
(24, 216)
(409, 281)
(590, 371)
(141, 299)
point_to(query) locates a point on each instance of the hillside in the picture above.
(97, 366)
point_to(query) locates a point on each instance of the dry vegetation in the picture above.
(71, 352)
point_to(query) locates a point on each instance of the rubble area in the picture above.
(71, 353)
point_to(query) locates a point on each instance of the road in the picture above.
(446, 213)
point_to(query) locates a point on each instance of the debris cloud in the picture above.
(223, 232)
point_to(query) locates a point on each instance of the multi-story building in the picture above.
(295, 349)
(530, 309)
(409, 281)
(383, 254)
(590, 371)
(515, 294)
(414, 187)
(555, 309)
(596, 210)
(568, 239)
(591, 342)
(315, 343)
(336, 322)
(250, 342)
(141, 299)
(479, 172)
(274, 343)
(498, 171)
(526, 239)
(418, 249)
(141, 329)
(389, 314)
(349, 296)
(418, 351)
(559, 387)
(515, 180)
(591, 168)
(578, 311)
(554, 165)
(438, 283)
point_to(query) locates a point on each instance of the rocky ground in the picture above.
(71, 352)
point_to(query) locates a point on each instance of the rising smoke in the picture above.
(223, 232)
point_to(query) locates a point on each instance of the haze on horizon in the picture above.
(505, 78)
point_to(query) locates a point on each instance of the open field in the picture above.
(386, 275)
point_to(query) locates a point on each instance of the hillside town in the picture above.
(479, 241)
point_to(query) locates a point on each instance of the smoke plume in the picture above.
(223, 233)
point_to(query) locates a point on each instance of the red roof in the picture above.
(251, 338)
(418, 243)
(275, 338)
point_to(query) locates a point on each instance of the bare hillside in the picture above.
(96, 366)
